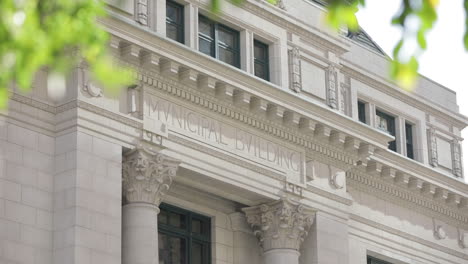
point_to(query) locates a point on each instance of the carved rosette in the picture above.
(332, 76)
(280, 224)
(147, 175)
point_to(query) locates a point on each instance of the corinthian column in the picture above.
(280, 226)
(147, 176)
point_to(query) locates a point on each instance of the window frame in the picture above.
(180, 24)
(265, 63)
(187, 234)
(216, 44)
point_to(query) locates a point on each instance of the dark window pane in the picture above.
(261, 64)
(197, 253)
(177, 220)
(372, 260)
(171, 249)
(260, 70)
(206, 46)
(197, 226)
(362, 111)
(162, 217)
(227, 56)
(205, 27)
(226, 38)
(171, 31)
(409, 141)
(175, 21)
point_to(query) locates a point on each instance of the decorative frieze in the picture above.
(281, 224)
(147, 175)
(295, 69)
(432, 143)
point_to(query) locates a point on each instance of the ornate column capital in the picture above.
(147, 175)
(281, 224)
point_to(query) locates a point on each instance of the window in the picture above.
(409, 140)
(362, 112)
(372, 260)
(386, 123)
(218, 41)
(261, 64)
(184, 237)
(175, 21)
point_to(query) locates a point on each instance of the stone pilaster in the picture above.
(147, 176)
(280, 224)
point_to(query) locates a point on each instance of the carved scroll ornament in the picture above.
(147, 175)
(280, 224)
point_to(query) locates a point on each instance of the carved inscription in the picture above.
(225, 136)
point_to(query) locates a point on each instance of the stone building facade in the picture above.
(257, 137)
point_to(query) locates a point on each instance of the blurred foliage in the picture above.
(416, 18)
(47, 33)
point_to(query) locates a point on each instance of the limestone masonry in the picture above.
(258, 137)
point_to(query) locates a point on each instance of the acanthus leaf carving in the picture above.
(147, 175)
(281, 224)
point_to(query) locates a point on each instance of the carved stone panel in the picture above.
(432, 143)
(332, 86)
(295, 69)
(456, 158)
(142, 12)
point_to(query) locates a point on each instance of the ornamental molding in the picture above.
(413, 194)
(295, 69)
(456, 158)
(147, 175)
(399, 233)
(332, 86)
(281, 224)
(432, 144)
(142, 12)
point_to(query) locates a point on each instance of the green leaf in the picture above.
(422, 39)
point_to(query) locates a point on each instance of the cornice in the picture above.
(312, 144)
(377, 82)
(405, 235)
(148, 41)
(406, 196)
